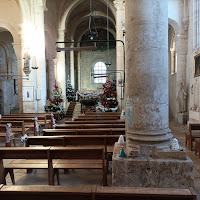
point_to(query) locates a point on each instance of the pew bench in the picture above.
(88, 126)
(93, 193)
(48, 157)
(194, 132)
(103, 131)
(96, 122)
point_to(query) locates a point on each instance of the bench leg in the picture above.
(11, 172)
(66, 171)
(28, 171)
(56, 172)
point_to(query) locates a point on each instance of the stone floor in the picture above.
(91, 177)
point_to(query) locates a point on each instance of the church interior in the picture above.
(99, 99)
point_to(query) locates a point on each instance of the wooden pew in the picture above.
(48, 115)
(111, 131)
(106, 141)
(28, 122)
(89, 126)
(17, 126)
(189, 138)
(77, 158)
(95, 118)
(93, 193)
(103, 113)
(96, 122)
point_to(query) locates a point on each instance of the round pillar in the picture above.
(147, 119)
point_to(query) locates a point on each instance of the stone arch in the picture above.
(175, 26)
(25, 9)
(12, 30)
(67, 12)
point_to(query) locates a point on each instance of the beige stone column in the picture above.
(18, 52)
(181, 55)
(147, 73)
(72, 68)
(51, 63)
(120, 17)
(41, 91)
(61, 69)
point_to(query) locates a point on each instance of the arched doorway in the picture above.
(9, 100)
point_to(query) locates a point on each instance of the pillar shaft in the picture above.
(147, 73)
(120, 17)
(40, 57)
(61, 69)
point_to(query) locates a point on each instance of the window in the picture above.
(100, 72)
(196, 23)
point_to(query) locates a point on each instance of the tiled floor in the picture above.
(85, 177)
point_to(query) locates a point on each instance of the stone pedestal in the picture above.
(182, 118)
(153, 168)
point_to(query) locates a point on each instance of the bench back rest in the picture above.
(24, 153)
(18, 119)
(96, 122)
(88, 126)
(48, 132)
(95, 118)
(89, 153)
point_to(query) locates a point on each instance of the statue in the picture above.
(182, 99)
(27, 58)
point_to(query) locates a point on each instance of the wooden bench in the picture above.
(189, 138)
(106, 141)
(96, 122)
(111, 131)
(28, 122)
(88, 126)
(95, 118)
(52, 159)
(103, 113)
(17, 126)
(93, 193)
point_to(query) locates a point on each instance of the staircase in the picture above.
(77, 110)
(70, 110)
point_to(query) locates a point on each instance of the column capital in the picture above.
(40, 5)
(119, 4)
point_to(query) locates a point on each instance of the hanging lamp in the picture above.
(108, 63)
(92, 34)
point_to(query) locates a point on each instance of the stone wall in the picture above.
(87, 60)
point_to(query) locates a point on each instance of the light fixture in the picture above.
(108, 63)
(92, 34)
(34, 63)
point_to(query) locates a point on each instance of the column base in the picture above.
(161, 168)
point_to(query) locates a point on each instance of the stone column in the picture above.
(147, 73)
(51, 63)
(151, 160)
(120, 17)
(41, 92)
(18, 52)
(72, 68)
(181, 56)
(61, 69)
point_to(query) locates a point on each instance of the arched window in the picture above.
(100, 72)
